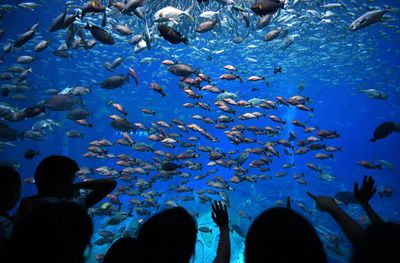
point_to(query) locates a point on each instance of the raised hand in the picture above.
(323, 203)
(367, 190)
(220, 214)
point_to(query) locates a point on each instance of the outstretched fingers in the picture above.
(356, 189)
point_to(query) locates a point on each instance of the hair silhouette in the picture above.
(55, 175)
(169, 236)
(123, 250)
(281, 235)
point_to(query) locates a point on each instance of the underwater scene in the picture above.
(184, 102)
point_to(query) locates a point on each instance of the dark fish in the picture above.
(59, 102)
(171, 35)
(277, 70)
(169, 166)
(78, 114)
(383, 130)
(93, 6)
(42, 45)
(206, 26)
(346, 197)
(58, 22)
(33, 111)
(135, 39)
(183, 70)
(264, 21)
(5, 92)
(367, 19)
(265, 7)
(25, 37)
(157, 88)
(10, 134)
(115, 81)
(100, 34)
(69, 19)
(122, 125)
(131, 5)
(30, 154)
(62, 54)
(242, 158)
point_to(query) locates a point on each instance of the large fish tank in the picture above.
(320, 59)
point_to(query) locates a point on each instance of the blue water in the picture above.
(332, 63)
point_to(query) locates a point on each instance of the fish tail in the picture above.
(266, 82)
(397, 127)
(185, 41)
(186, 12)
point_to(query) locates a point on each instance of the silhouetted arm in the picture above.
(288, 203)
(364, 194)
(353, 231)
(220, 216)
(100, 189)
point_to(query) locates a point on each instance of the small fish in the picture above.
(30, 154)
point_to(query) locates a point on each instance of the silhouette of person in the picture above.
(51, 233)
(169, 236)
(123, 250)
(54, 179)
(220, 217)
(10, 192)
(381, 244)
(281, 235)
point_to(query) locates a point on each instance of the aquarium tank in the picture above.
(250, 102)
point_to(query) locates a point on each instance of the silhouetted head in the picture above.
(52, 232)
(281, 235)
(382, 245)
(55, 175)
(169, 236)
(122, 251)
(10, 188)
